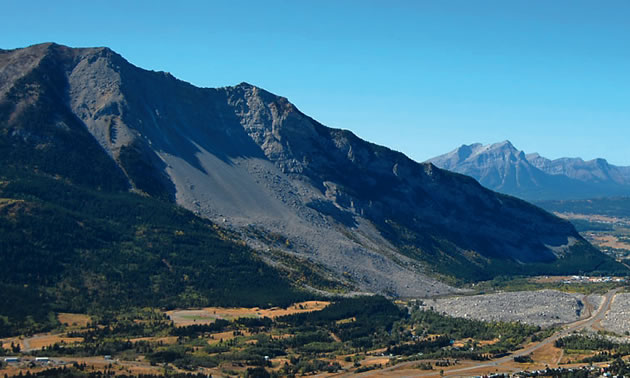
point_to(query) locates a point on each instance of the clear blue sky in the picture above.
(422, 77)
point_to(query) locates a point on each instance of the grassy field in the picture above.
(73, 320)
(208, 315)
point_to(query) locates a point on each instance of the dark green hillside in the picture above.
(433, 247)
(70, 248)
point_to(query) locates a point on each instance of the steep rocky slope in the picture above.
(251, 161)
(504, 168)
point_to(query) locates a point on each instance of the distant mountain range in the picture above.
(504, 168)
(95, 153)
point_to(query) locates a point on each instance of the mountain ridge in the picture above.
(504, 168)
(252, 162)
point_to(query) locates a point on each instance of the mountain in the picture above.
(504, 168)
(596, 171)
(317, 204)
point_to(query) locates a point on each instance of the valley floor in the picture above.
(311, 338)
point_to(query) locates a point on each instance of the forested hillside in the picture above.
(67, 247)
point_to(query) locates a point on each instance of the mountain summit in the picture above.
(504, 168)
(289, 186)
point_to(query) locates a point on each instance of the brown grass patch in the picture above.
(574, 357)
(279, 362)
(38, 342)
(297, 308)
(375, 361)
(589, 217)
(611, 241)
(6, 343)
(166, 340)
(208, 315)
(95, 364)
(377, 351)
(225, 336)
(135, 367)
(547, 355)
(345, 321)
(12, 371)
(80, 320)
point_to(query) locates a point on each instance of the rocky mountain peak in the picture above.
(504, 148)
(505, 145)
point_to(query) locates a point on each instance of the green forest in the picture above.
(71, 248)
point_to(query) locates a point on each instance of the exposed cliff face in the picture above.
(503, 168)
(252, 161)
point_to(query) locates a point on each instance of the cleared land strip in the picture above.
(210, 314)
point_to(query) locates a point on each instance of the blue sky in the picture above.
(421, 77)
